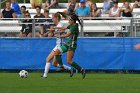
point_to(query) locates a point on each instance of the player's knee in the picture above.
(56, 52)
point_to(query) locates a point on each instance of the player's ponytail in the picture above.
(75, 18)
(62, 14)
(79, 21)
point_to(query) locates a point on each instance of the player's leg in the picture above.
(59, 51)
(55, 63)
(58, 57)
(70, 55)
(47, 66)
(69, 69)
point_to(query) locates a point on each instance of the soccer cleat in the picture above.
(83, 71)
(43, 76)
(71, 72)
(60, 69)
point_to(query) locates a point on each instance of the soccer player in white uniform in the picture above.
(59, 41)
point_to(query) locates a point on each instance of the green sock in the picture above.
(76, 66)
(59, 60)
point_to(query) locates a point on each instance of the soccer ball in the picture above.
(23, 74)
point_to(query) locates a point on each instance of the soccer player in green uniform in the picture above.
(71, 45)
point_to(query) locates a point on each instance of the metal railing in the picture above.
(90, 26)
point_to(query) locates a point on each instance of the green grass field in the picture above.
(62, 83)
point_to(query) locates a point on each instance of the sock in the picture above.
(47, 67)
(65, 67)
(59, 60)
(76, 66)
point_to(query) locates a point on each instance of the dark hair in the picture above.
(46, 11)
(23, 7)
(38, 7)
(95, 6)
(75, 18)
(115, 2)
(27, 12)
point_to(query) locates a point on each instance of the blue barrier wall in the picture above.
(91, 53)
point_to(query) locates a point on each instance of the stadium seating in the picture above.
(64, 5)
(92, 26)
(28, 5)
(136, 12)
(106, 26)
(95, 26)
(33, 11)
(7, 26)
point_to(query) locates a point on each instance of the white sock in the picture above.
(47, 67)
(65, 67)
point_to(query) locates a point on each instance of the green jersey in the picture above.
(72, 40)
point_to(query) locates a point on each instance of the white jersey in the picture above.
(59, 41)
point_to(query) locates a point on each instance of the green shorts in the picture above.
(66, 48)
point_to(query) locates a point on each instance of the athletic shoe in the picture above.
(43, 76)
(60, 69)
(71, 72)
(83, 71)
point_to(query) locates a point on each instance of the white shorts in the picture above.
(56, 47)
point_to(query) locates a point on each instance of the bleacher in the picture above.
(91, 26)
(7, 26)
(63, 7)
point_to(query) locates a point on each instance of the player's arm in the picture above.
(65, 35)
(59, 32)
(61, 28)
